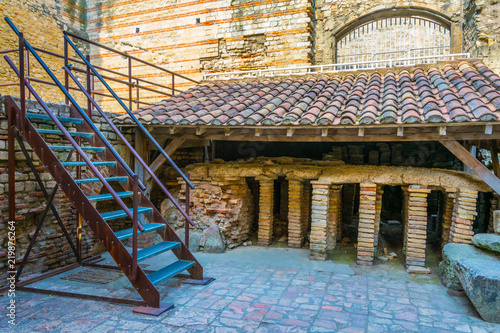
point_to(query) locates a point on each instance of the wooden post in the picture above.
(470, 161)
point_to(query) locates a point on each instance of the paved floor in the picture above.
(260, 290)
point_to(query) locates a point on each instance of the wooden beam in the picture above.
(361, 131)
(494, 157)
(324, 132)
(174, 130)
(289, 132)
(169, 149)
(312, 136)
(442, 130)
(488, 129)
(200, 130)
(258, 132)
(472, 163)
(401, 131)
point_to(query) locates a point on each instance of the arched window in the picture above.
(393, 38)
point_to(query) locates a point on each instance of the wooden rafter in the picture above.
(472, 163)
(169, 149)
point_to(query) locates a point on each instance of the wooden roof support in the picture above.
(200, 130)
(170, 148)
(472, 163)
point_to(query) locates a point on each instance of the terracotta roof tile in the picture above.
(460, 91)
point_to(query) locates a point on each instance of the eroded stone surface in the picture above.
(487, 241)
(480, 279)
(452, 253)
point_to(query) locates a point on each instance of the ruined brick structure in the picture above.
(204, 36)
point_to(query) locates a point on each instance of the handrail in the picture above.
(82, 113)
(100, 68)
(141, 127)
(128, 56)
(56, 121)
(125, 141)
(301, 70)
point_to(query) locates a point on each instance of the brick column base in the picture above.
(295, 229)
(319, 220)
(378, 211)
(494, 206)
(417, 225)
(464, 213)
(266, 206)
(366, 229)
(447, 215)
(334, 214)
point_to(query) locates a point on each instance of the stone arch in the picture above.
(425, 11)
(390, 13)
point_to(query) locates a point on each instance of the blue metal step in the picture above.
(127, 233)
(156, 249)
(108, 196)
(117, 214)
(83, 163)
(31, 115)
(169, 271)
(58, 132)
(96, 180)
(96, 149)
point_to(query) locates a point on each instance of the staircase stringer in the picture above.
(86, 209)
(183, 253)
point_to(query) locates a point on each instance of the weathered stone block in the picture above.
(487, 241)
(481, 282)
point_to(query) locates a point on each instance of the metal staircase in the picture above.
(94, 152)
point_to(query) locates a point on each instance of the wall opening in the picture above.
(350, 211)
(391, 234)
(393, 37)
(280, 224)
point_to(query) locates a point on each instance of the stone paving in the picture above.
(253, 296)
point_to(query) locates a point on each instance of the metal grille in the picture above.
(392, 38)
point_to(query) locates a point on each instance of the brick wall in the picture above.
(51, 249)
(42, 23)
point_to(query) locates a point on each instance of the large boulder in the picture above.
(481, 281)
(487, 241)
(212, 241)
(194, 239)
(452, 253)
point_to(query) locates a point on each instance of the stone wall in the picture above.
(488, 33)
(192, 37)
(42, 23)
(224, 201)
(51, 249)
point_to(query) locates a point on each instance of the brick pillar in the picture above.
(449, 202)
(405, 218)
(266, 206)
(334, 214)
(464, 213)
(378, 211)
(319, 220)
(306, 207)
(494, 206)
(295, 214)
(366, 229)
(416, 231)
